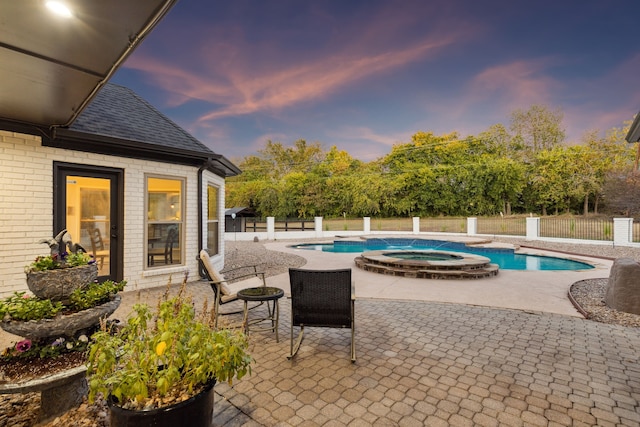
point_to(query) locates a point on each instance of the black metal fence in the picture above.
(567, 228)
(444, 225)
(516, 226)
(577, 228)
(296, 224)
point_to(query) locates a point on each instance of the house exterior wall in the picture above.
(26, 210)
(213, 179)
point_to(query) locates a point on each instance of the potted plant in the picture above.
(55, 324)
(65, 307)
(159, 368)
(57, 275)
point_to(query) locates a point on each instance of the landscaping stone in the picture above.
(623, 289)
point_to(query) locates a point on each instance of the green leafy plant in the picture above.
(94, 294)
(169, 354)
(61, 260)
(21, 306)
(45, 348)
(59, 257)
(24, 307)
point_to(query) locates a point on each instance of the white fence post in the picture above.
(416, 225)
(271, 228)
(318, 223)
(533, 228)
(622, 231)
(472, 226)
(366, 225)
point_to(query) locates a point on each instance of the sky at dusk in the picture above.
(364, 75)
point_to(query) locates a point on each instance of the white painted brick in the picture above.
(27, 171)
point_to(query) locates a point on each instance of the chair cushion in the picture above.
(214, 275)
(252, 282)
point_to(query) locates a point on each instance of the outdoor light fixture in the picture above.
(59, 8)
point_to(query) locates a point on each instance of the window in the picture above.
(165, 213)
(213, 219)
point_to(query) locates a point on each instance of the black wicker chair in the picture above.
(321, 298)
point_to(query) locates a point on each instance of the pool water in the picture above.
(505, 258)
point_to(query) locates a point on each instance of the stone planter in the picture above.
(57, 285)
(58, 392)
(62, 324)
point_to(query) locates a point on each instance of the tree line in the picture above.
(525, 167)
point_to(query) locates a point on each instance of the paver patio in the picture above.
(439, 364)
(422, 363)
(423, 359)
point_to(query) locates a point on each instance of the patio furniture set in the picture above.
(319, 298)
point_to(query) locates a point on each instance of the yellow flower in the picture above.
(160, 348)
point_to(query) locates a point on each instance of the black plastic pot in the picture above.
(194, 412)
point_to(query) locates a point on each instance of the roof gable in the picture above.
(119, 122)
(118, 112)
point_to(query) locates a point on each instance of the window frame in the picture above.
(208, 221)
(181, 222)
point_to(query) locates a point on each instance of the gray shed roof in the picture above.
(240, 211)
(119, 122)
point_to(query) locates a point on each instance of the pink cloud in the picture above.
(490, 96)
(596, 112)
(366, 144)
(515, 85)
(242, 77)
(368, 134)
(241, 91)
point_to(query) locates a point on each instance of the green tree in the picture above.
(622, 192)
(537, 128)
(607, 156)
(281, 160)
(500, 142)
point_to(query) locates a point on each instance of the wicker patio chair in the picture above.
(226, 292)
(321, 298)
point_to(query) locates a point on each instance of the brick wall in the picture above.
(26, 210)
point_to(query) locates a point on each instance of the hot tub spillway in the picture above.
(428, 264)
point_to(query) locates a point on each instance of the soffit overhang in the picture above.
(51, 67)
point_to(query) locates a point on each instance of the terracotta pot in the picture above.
(58, 285)
(196, 411)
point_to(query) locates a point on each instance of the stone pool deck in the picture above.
(544, 291)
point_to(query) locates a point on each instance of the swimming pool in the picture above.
(505, 258)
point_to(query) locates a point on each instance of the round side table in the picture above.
(266, 294)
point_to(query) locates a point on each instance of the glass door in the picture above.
(88, 207)
(88, 217)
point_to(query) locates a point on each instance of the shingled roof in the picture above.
(119, 122)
